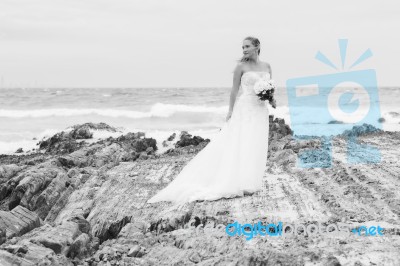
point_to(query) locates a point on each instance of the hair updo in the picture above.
(254, 41)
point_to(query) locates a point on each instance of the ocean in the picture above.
(29, 115)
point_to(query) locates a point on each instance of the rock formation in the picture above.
(79, 203)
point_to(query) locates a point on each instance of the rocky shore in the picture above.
(75, 201)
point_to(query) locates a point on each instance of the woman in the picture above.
(233, 163)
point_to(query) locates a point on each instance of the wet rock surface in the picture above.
(186, 139)
(78, 203)
(18, 221)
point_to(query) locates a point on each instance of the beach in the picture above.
(82, 201)
(29, 115)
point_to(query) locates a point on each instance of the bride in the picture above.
(233, 163)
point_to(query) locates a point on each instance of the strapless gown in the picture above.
(233, 163)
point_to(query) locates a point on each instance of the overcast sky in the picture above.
(184, 43)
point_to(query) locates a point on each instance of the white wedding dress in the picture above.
(235, 160)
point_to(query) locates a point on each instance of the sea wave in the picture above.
(28, 143)
(7, 147)
(156, 110)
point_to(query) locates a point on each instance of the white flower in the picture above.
(272, 83)
(263, 86)
(260, 86)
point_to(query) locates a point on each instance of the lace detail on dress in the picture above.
(248, 80)
(248, 106)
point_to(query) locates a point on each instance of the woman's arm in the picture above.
(237, 74)
(273, 102)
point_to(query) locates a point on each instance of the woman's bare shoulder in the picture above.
(266, 65)
(240, 67)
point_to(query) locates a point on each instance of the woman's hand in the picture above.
(228, 116)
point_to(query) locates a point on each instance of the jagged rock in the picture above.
(83, 224)
(186, 139)
(127, 157)
(18, 221)
(133, 252)
(61, 143)
(143, 144)
(60, 204)
(96, 155)
(278, 144)
(111, 229)
(16, 249)
(299, 144)
(149, 150)
(31, 183)
(130, 136)
(283, 158)
(78, 158)
(134, 231)
(8, 171)
(335, 122)
(134, 143)
(28, 253)
(101, 216)
(50, 195)
(128, 149)
(360, 130)
(25, 159)
(9, 259)
(316, 157)
(80, 246)
(95, 243)
(3, 235)
(332, 261)
(74, 203)
(81, 133)
(143, 156)
(95, 126)
(65, 142)
(169, 140)
(172, 137)
(172, 222)
(57, 238)
(195, 257)
(136, 251)
(278, 128)
(73, 172)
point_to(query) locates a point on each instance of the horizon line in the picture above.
(167, 87)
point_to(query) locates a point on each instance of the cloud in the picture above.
(124, 42)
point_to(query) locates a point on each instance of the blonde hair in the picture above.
(254, 41)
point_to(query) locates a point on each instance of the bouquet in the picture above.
(265, 89)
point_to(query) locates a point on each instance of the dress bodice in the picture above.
(250, 78)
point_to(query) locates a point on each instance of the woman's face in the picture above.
(248, 49)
